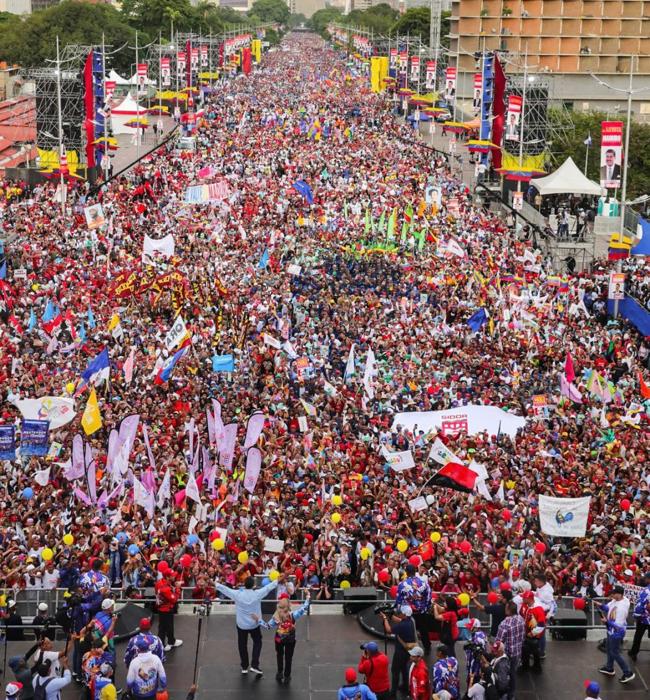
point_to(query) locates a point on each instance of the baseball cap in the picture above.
(13, 688)
(350, 675)
(142, 644)
(105, 669)
(107, 604)
(145, 623)
(416, 651)
(592, 687)
(42, 607)
(371, 647)
(406, 610)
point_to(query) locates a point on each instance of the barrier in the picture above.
(630, 309)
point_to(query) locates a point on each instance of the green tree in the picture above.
(155, 16)
(321, 18)
(378, 18)
(297, 20)
(271, 11)
(417, 21)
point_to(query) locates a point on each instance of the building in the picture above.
(566, 39)
(16, 7)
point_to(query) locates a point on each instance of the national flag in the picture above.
(223, 363)
(98, 369)
(167, 368)
(569, 371)
(587, 141)
(304, 189)
(264, 260)
(32, 321)
(3, 270)
(477, 319)
(454, 476)
(91, 318)
(91, 421)
(644, 389)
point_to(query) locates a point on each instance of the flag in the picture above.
(477, 319)
(392, 221)
(223, 363)
(167, 368)
(50, 311)
(177, 334)
(3, 270)
(192, 489)
(91, 421)
(15, 324)
(264, 260)
(368, 224)
(382, 222)
(369, 372)
(98, 369)
(32, 321)
(569, 390)
(644, 389)
(454, 476)
(82, 333)
(310, 409)
(91, 318)
(304, 189)
(128, 366)
(349, 365)
(408, 215)
(587, 141)
(569, 371)
(253, 467)
(564, 517)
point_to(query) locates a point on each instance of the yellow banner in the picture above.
(378, 71)
(256, 49)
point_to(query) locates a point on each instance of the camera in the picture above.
(477, 650)
(385, 608)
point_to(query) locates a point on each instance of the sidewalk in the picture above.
(127, 151)
(441, 143)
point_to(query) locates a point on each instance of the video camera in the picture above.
(204, 609)
(385, 608)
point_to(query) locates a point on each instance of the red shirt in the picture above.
(419, 682)
(375, 669)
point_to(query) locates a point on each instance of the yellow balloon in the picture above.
(68, 539)
(336, 518)
(274, 575)
(510, 484)
(47, 554)
(69, 387)
(365, 553)
(506, 564)
(345, 584)
(463, 599)
(402, 545)
(337, 500)
(242, 557)
(218, 544)
(436, 537)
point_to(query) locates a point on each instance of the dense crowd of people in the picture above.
(341, 293)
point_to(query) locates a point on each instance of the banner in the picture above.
(616, 285)
(177, 333)
(7, 442)
(56, 410)
(564, 517)
(415, 69)
(165, 71)
(393, 59)
(611, 154)
(513, 117)
(194, 59)
(517, 200)
(181, 64)
(109, 89)
(34, 436)
(202, 194)
(253, 468)
(398, 461)
(430, 79)
(155, 249)
(471, 419)
(478, 91)
(450, 84)
(403, 60)
(204, 56)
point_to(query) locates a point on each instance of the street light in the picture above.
(629, 92)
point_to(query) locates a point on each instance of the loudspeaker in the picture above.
(363, 594)
(569, 618)
(128, 621)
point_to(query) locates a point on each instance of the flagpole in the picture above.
(137, 109)
(588, 143)
(60, 117)
(105, 134)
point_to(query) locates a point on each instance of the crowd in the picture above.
(322, 291)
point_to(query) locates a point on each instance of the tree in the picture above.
(271, 11)
(322, 18)
(415, 22)
(297, 20)
(155, 16)
(378, 18)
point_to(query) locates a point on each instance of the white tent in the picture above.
(567, 179)
(127, 110)
(117, 78)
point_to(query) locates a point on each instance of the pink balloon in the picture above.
(625, 504)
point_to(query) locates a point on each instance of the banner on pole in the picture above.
(513, 117)
(430, 78)
(564, 517)
(450, 84)
(611, 154)
(616, 286)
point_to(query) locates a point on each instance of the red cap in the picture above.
(145, 623)
(350, 675)
(283, 596)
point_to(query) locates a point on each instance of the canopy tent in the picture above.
(117, 78)
(126, 111)
(567, 179)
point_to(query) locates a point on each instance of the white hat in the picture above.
(13, 689)
(416, 651)
(406, 610)
(42, 607)
(107, 603)
(11, 603)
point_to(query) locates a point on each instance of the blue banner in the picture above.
(7, 442)
(34, 438)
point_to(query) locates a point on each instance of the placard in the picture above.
(34, 436)
(7, 442)
(272, 545)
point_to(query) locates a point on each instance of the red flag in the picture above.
(498, 111)
(15, 324)
(454, 476)
(643, 387)
(569, 371)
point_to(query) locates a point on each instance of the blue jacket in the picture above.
(352, 692)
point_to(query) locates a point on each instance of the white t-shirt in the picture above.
(617, 611)
(53, 657)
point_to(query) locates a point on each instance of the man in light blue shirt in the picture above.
(248, 610)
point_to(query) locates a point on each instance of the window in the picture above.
(644, 108)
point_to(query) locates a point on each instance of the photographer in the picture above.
(103, 626)
(475, 649)
(403, 627)
(43, 623)
(374, 666)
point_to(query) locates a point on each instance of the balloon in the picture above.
(383, 576)
(185, 561)
(492, 597)
(365, 478)
(506, 515)
(335, 518)
(218, 544)
(465, 547)
(266, 580)
(345, 584)
(505, 586)
(214, 535)
(393, 592)
(68, 539)
(364, 553)
(625, 503)
(274, 575)
(510, 484)
(28, 493)
(47, 554)
(402, 545)
(121, 537)
(337, 500)
(464, 599)
(133, 549)
(540, 547)
(506, 564)
(579, 603)
(192, 540)
(69, 387)
(162, 567)
(494, 583)
(242, 557)
(415, 560)
(435, 537)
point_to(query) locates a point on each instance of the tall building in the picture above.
(567, 39)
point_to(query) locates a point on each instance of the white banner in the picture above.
(155, 249)
(177, 333)
(442, 454)
(57, 409)
(399, 461)
(564, 517)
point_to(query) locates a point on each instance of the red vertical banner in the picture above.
(89, 105)
(498, 111)
(247, 61)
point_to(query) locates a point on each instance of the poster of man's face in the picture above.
(476, 102)
(512, 126)
(610, 166)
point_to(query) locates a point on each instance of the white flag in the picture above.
(442, 454)
(349, 365)
(154, 250)
(564, 517)
(42, 476)
(192, 489)
(398, 461)
(165, 490)
(177, 334)
(368, 374)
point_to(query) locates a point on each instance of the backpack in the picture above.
(502, 675)
(40, 689)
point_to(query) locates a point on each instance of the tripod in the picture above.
(201, 611)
